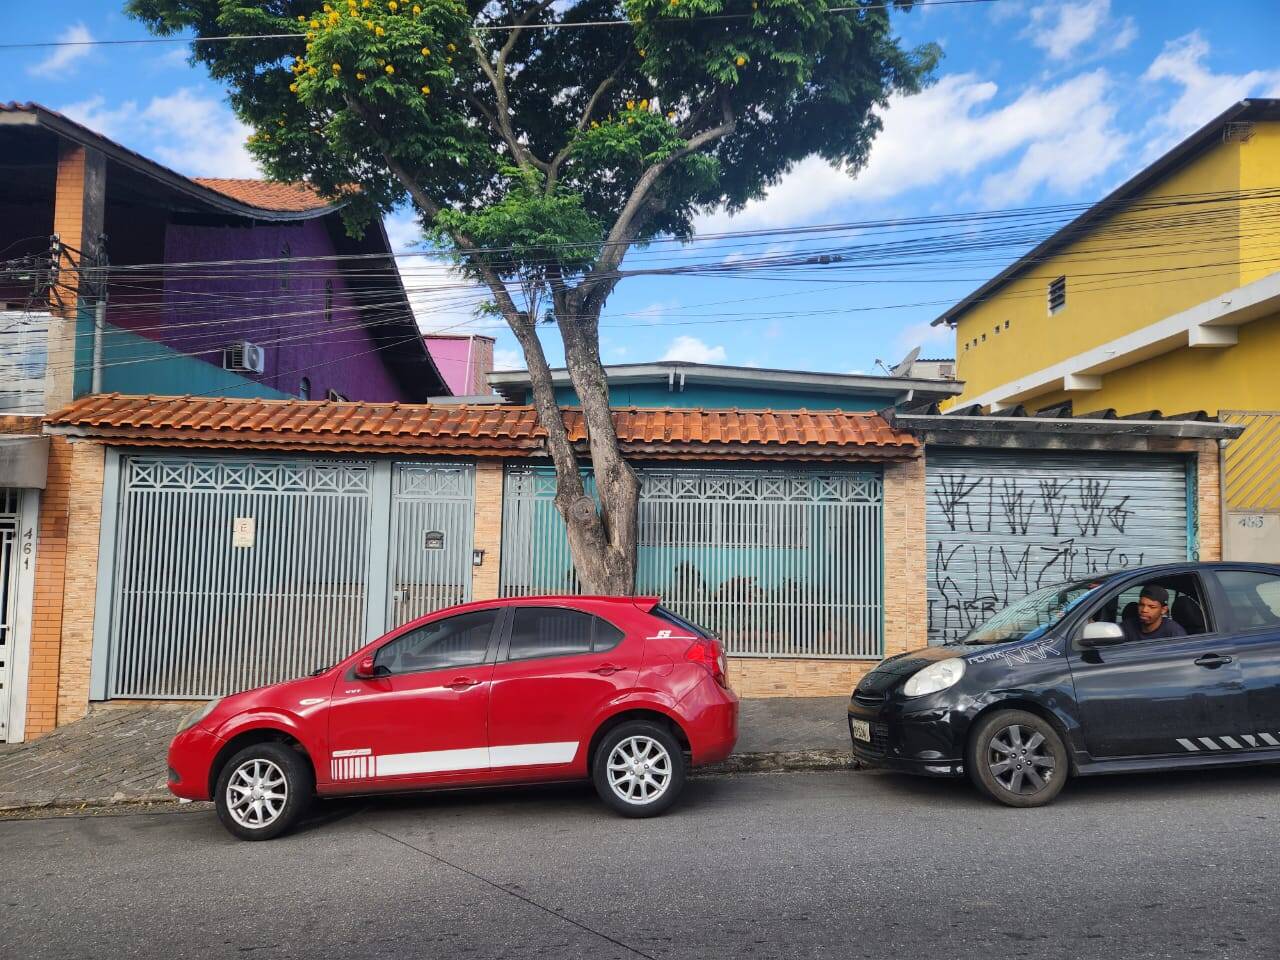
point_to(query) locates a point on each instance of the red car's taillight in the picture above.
(709, 654)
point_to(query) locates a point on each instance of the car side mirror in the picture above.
(1101, 635)
(366, 669)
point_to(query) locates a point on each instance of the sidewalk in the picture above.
(117, 753)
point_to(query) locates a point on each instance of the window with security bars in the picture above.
(1057, 295)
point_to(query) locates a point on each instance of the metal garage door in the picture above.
(1002, 524)
(228, 573)
(779, 562)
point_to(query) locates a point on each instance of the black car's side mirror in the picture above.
(1101, 635)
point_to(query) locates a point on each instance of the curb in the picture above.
(797, 761)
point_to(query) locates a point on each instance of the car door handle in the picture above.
(606, 669)
(1213, 661)
(461, 683)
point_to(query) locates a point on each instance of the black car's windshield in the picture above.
(1034, 615)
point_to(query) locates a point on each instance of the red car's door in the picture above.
(557, 672)
(423, 721)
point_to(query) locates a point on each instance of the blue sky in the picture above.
(1035, 103)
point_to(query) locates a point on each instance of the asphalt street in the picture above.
(837, 864)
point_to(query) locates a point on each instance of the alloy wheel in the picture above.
(639, 770)
(257, 793)
(1019, 761)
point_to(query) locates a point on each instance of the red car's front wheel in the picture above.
(263, 791)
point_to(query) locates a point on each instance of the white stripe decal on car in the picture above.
(1250, 740)
(357, 765)
(532, 754)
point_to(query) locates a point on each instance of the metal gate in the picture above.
(229, 574)
(1002, 524)
(778, 562)
(432, 524)
(8, 599)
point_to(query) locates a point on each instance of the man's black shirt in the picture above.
(1169, 629)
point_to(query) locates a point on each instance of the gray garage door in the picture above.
(1000, 525)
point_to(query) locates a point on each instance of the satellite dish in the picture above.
(905, 364)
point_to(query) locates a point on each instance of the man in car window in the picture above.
(1153, 621)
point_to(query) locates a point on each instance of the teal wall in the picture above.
(134, 364)
(713, 397)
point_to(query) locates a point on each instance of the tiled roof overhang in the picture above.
(365, 429)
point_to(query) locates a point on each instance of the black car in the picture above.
(1065, 681)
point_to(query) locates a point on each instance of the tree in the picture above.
(539, 148)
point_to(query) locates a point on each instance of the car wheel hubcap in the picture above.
(256, 794)
(1019, 760)
(639, 770)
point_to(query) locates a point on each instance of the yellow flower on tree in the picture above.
(425, 88)
(293, 88)
(337, 68)
(392, 6)
(359, 76)
(416, 9)
(390, 69)
(315, 24)
(426, 51)
(742, 61)
(631, 104)
(452, 48)
(644, 104)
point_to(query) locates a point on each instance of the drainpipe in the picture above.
(99, 325)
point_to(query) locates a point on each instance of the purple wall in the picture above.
(306, 330)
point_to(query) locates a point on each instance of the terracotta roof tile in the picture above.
(266, 194)
(449, 429)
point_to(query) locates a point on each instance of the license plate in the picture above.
(861, 730)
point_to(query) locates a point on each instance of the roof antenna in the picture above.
(881, 364)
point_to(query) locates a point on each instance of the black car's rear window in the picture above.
(679, 621)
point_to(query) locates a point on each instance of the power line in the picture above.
(479, 28)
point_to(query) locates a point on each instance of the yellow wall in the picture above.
(1134, 270)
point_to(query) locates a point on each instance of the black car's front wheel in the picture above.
(1017, 758)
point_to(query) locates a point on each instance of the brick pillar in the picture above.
(80, 589)
(479, 366)
(488, 524)
(1209, 497)
(905, 579)
(46, 603)
(78, 207)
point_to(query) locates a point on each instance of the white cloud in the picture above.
(951, 131)
(443, 300)
(194, 134)
(924, 335)
(694, 350)
(1205, 94)
(1061, 30)
(504, 359)
(63, 59)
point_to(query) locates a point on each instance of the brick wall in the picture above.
(26, 426)
(488, 524)
(904, 603)
(1209, 492)
(80, 589)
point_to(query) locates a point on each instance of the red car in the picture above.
(536, 689)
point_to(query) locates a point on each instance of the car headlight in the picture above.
(195, 716)
(936, 676)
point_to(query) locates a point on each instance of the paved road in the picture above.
(842, 865)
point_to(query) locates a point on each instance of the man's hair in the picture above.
(1158, 594)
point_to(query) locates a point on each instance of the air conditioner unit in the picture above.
(244, 357)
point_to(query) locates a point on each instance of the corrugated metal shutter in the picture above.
(1002, 524)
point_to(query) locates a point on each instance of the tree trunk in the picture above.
(602, 542)
(606, 562)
